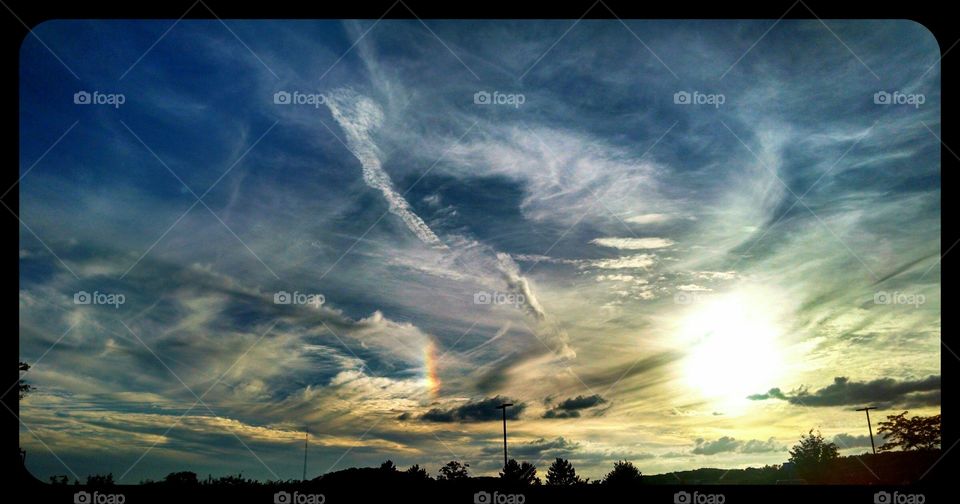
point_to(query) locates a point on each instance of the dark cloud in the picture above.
(773, 393)
(484, 410)
(570, 408)
(882, 392)
(724, 444)
(555, 413)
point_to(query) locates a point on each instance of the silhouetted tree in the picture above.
(388, 466)
(812, 455)
(100, 480)
(523, 473)
(454, 471)
(230, 480)
(562, 473)
(915, 433)
(23, 387)
(181, 478)
(623, 473)
(418, 472)
(61, 480)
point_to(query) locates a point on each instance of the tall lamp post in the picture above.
(503, 408)
(306, 442)
(869, 427)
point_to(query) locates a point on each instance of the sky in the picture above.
(682, 244)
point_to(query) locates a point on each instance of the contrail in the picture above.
(358, 116)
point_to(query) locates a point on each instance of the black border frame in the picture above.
(935, 16)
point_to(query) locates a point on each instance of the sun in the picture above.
(734, 347)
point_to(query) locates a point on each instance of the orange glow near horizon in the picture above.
(430, 364)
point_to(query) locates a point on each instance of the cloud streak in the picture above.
(359, 117)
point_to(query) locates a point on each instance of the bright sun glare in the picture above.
(734, 348)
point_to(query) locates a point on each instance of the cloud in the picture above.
(651, 218)
(484, 410)
(538, 449)
(632, 243)
(570, 408)
(757, 446)
(715, 275)
(724, 444)
(519, 284)
(730, 444)
(773, 393)
(638, 261)
(359, 116)
(844, 440)
(882, 391)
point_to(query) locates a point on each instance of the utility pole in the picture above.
(869, 427)
(306, 441)
(503, 408)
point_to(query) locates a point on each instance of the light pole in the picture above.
(869, 427)
(306, 441)
(503, 408)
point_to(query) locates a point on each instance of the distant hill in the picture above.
(866, 469)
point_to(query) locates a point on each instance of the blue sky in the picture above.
(678, 284)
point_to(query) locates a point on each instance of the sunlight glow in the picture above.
(735, 348)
